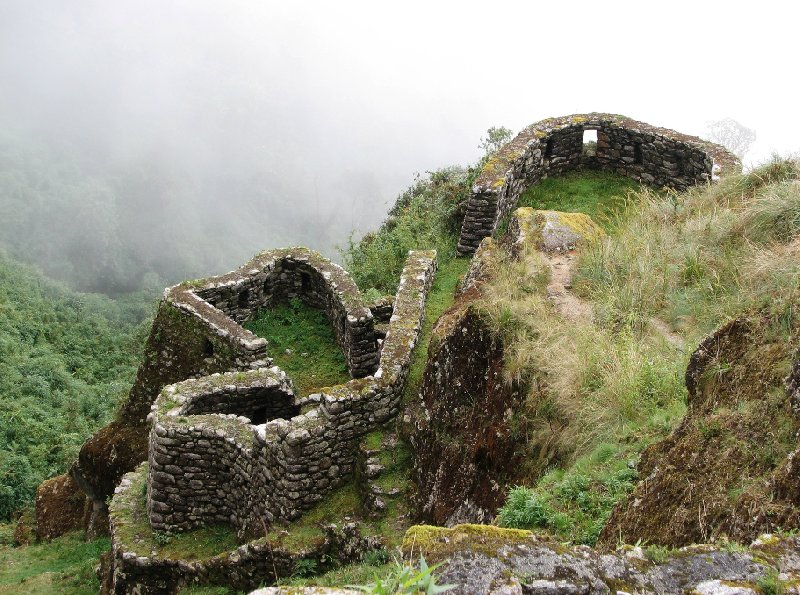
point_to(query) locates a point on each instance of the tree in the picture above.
(732, 135)
(496, 137)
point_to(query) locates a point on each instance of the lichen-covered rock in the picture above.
(60, 507)
(729, 468)
(488, 559)
(304, 591)
(552, 231)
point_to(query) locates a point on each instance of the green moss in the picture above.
(303, 344)
(437, 543)
(601, 195)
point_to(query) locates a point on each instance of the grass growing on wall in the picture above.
(303, 344)
(440, 298)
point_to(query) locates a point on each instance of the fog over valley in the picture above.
(145, 142)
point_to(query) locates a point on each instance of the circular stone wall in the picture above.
(655, 156)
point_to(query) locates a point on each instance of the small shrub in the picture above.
(304, 567)
(404, 578)
(524, 509)
(377, 557)
(771, 583)
(657, 554)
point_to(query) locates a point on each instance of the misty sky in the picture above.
(331, 107)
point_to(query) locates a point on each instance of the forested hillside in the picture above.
(115, 228)
(66, 359)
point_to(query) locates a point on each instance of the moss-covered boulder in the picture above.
(728, 468)
(552, 231)
(465, 450)
(60, 507)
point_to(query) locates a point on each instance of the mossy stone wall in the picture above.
(234, 447)
(655, 156)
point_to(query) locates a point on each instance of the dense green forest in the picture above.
(115, 228)
(66, 359)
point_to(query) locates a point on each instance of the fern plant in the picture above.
(406, 580)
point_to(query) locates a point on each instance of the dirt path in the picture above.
(566, 303)
(662, 328)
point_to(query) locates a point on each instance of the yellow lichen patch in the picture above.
(581, 224)
(437, 543)
(551, 230)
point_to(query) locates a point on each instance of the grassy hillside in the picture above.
(64, 566)
(66, 359)
(675, 269)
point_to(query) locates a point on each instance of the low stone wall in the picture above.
(139, 565)
(655, 156)
(232, 447)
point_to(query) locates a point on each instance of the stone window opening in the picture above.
(637, 154)
(305, 281)
(208, 348)
(589, 142)
(244, 298)
(548, 148)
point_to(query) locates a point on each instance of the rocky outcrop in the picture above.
(729, 468)
(486, 559)
(552, 231)
(463, 443)
(60, 507)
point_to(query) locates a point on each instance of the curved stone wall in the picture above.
(223, 303)
(655, 156)
(235, 447)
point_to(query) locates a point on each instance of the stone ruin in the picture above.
(655, 156)
(224, 435)
(240, 447)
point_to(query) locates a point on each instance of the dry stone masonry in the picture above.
(655, 156)
(239, 447)
(224, 303)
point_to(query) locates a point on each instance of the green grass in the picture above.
(574, 503)
(315, 359)
(699, 258)
(63, 566)
(424, 217)
(601, 195)
(602, 391)
(440, 298)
